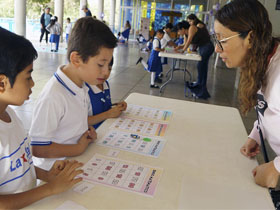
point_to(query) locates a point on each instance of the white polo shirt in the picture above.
(164, 41)
(60, 115)
(269, 108)
(156, 42)
(17, 172)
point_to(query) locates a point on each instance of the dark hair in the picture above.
(243, 17)
(52, 22)
(88, 36)
(195, 19)
(16, 53)
(68, 19)
(183, 25)
(160, 31)
(169, 25)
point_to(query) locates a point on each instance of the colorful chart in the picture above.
(122, 174)
(140, 126)
(147, 112)
(140, 144)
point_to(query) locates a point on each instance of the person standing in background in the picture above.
(68, 29)
(45, 21)
(87, 11)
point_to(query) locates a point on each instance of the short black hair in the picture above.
(88, 36)
(183, 25)
(16, 53)
(160, 31)
(169, 25)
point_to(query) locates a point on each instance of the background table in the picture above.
(175, 57)
(203, 168)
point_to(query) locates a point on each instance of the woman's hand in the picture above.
(266, 175)
(250, 149)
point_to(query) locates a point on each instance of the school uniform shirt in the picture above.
(269, 108)
(54, 29)
(164, 41)
(68, 28)
(100, 101)
(60, 115)
(17, 172)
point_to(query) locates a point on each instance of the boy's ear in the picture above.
(3, 82)
(75, 59)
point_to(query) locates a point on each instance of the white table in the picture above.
(203, 168)
(175, 57)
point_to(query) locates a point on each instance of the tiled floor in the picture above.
(126, 78)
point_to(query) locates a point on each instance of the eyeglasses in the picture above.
(220, 42)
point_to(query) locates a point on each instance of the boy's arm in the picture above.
(114, 112)
(25, 198)
(55, 150)
(94, 119)
(62, 182)
(159, 49)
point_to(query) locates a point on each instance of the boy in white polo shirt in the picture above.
(59, 126)
(17, 172)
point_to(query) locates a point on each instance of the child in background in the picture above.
(55, 30)
(59, 125)
(68, 29)
(18, 174)
(100, 102)
(166, 40)
(154, 63)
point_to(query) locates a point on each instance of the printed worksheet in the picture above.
(140, 144)
(122, 174)
(140, 126)
(147, 113)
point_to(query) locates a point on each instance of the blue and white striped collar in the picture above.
(67, 83)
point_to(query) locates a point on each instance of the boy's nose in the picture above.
(32, 83)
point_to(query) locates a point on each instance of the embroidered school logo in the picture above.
(261, 104)
(25, 157)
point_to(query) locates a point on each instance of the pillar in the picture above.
(20, 17)
(112, 15)
(58, 11)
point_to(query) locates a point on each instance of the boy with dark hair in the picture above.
(100, 107)
(18, 174)
(166, 40)
(59, 125)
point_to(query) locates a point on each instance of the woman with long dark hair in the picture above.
(199, 37)
(193, 20)
(244, 39)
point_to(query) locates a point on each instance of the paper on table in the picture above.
(83, 187)
(147, 113)
(121, 174)
(140, 144)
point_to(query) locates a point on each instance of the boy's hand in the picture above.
(92, 133)
(57, 167)
(250, 149)
(123, 105)
(266, 175)
(84, 141)
(65, 179)
(115, 111)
